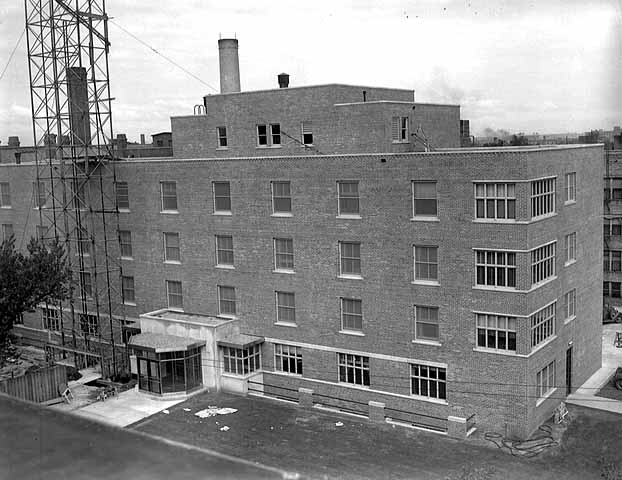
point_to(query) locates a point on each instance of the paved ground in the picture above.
(40, 443)
(309, 442)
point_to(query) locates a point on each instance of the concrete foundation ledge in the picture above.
(305, 397)
(457, 426)
(376, 411)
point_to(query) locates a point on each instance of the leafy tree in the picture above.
(43, 275)
(518, 140)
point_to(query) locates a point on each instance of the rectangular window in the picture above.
(38, 189)
(168, 192)
(262, 135)
(222, 137)
(269, 135)
(497, 269)
(350, 258)
(495, 201)
(51, 319)
(7, 231)
(353, 369)
(281, 197)
(226, 300)
(545, 380)
(224, 250)
(127, 289)
(614, 192)
(426, 263)
(399, 130)
(542, 263)
(85, 284)
(285, 307)
(542, 197)
(241, 361)
(5, 194)
(542, 325)
(351, 314)
(616, 289)
(122, 195)
(283, 254)
(424, 199)
(613, 227)
(172, 251)
(612, 260)
(427, 381)
(89, 324)
(570, 299)
(496, 332)
(348, 193)
(275, 132)
(571, 187)
(426, 323)
(307, 133)
(571, 247)
(288, 359)
(174, 294)
(125, 242)
(222, 197)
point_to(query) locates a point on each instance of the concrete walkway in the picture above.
(585, 396)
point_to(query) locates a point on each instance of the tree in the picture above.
(27, 280)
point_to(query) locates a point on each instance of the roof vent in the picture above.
(283, 80)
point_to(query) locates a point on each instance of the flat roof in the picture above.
(183, 317)
(240, 340)
(160, 342)
(300, 87)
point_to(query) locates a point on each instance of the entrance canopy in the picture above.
(240, 340)
(160, 343)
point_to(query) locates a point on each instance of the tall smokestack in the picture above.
(229, 65)
(78, 96)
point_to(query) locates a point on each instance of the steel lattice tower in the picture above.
(74, 188)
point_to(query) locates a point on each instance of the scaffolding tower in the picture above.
(74, 187)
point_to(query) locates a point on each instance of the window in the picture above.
(496, 269)
(495, 201)
(222, 197)
(5, 195)
(174, 294)
(613, 190)
(571, 247)
(571, 187)
(613, 227)
(7, 231)
(222, 137)
(545, 380)
(284, 254)
(281, 197)
(122, 195)
(169, 196)
(570, 300)
(612, 260)
(127, 289)
(51, 319)
(226, 300)
(351, 314)
(542, 197)
(85, 284)
(612, 289)
(84, 242)
(428, 381)
(426, 263)
(125, 242)
(399, 130)
(38, 189)
(542, 325)
(288, 359)
(307, 133)
(353, 369)
(542, 263)
(350, 258)
(348, 193)
(241, 361)
(269, 135)
(89, 324)
(224, 250)
(285, 307)
(424, 199)
(426, 323)
(496, 332)
(172, 251)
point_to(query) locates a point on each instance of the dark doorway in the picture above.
(569, 371)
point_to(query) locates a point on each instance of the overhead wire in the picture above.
(12, 53)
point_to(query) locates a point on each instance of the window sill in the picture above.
(350, 276)
(570, 202)
(352, 332)
(131, 304)
(268, 146)
(428, 399)
(424, 219)
(353, 385)
(176, 309)
(6, 207)
(399, 141)
(222, 148)
(349, 216)
(170, 212)
(123, 210)
(535, 286)
(546, 395)
(508, 221)
(429, 283)
(228, 316)
(570, 262)
(241, 376)
(543, 217)
(281, 214)
(420, 341)
(285, 324)
(569, 319)
(546, 342)
(279, 270)
(127, 258)
(225, 267)
(492, 288)
(222, 213)
(286, 374)
(172, 262)
(507, 353)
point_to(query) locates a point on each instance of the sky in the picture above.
(545, 66)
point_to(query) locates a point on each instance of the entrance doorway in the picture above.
(569, 371)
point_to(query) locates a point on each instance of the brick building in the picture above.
(612, 256)
(301, 242)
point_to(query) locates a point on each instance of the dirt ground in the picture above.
(26, 357)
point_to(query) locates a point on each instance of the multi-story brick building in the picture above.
(300, 243)
(612, 257)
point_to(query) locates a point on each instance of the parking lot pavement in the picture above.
(320, 444)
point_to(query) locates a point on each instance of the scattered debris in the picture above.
(224, 429)
(186, 409)
(165, 411)
(212, 411)
(339, 424)
(271, 427)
